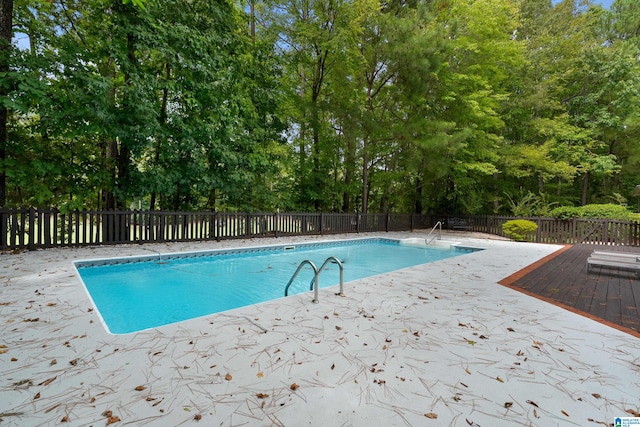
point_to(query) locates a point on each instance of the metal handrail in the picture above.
(439, 236)
(315, 278)
(333, 260)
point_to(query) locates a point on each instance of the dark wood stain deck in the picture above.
(608, 295)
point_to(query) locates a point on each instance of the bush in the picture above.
(517, 229)
(596, 211)
(566, 212)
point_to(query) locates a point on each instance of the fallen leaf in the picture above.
(632, 412)
(262, 395)
(510, 329)
(37, 396)
(294, 386)
(197, 417)
(13, 359)
(228, 377)
(333, 366)
(508, 404)
(64, 419)
(3, 351)
(531, 402)
(107, 414)
(469, 422)
(51, 408)
(471, 342)
(53, 362)
(500, 379)
(140, 388)
(112, 420)
(431, 415)
(564, 413)
(468, 371)
(47, 382)
(535, 413)
(260, 374)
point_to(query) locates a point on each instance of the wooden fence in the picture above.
(557, 231)
(30, 228)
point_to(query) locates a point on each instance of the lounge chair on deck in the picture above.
(621, 260)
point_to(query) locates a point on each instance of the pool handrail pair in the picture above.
(315, 282)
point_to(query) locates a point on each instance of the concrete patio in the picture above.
(439, 344)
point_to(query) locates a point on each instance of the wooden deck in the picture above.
(608, 295)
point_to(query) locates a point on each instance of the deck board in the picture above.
(611, 295)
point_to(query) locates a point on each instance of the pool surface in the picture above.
(137, 293)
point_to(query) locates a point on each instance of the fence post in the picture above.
(32, 229)
(538, 230)
(216, 225)
(276, 225)
(4, 229)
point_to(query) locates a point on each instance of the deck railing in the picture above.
(31, 228)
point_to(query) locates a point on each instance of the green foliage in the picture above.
(566, 212)
(597, 211)
(465, 106)
(530, 204)
(519, 229)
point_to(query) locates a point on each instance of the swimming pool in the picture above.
(137, 293)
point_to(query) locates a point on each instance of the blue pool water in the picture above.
(134, 294)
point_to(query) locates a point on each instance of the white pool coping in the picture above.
(442, 340)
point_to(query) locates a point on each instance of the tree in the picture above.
(6, 31)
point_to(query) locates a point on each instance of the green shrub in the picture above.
(566, 212)
(603, 211)
(518, 229)
(596, 211)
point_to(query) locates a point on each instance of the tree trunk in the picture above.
(349, 174)
(365, 175)
(163, 122)
(6, 27)
(585, 188)
(496, 197)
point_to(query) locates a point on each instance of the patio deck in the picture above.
(608, 295)
(438, 344)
